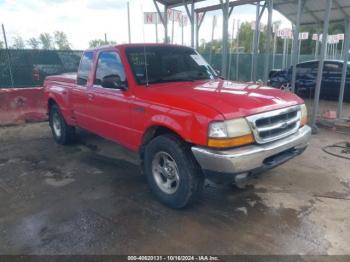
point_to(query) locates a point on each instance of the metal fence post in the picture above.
(166, 39)
(296, 44)
(225, 12)
(320, 65)
(345, 53)
(284, 53)
(163, 19)
(191, 16)
(237, 58)
(268, 42)
(197, 30)
(274, 50)
(230, 52)
(212, 40)
(255, 43)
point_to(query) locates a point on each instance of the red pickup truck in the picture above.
(167, 103)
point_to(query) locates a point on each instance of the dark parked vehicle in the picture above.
(31, 67)
(306, 79)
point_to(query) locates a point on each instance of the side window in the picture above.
(332, 67)
(110, 68)
(314, 68)
(303, 69)
(84, 68)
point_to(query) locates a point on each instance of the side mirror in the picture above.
(114, 82)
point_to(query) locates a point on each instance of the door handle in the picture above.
(91, 96)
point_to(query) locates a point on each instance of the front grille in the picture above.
(274, 125)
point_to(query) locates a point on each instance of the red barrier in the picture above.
(21, 105)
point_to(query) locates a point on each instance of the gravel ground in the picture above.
(91, 198)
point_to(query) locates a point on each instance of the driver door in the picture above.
(110, 107)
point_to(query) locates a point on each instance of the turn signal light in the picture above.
(304, 119)
(231, 142)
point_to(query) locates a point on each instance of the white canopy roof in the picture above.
(313, 11)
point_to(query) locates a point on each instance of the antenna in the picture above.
(144, 51)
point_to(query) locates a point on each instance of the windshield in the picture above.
(168, 64)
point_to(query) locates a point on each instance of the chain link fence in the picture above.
(241, 64)
(28, 68)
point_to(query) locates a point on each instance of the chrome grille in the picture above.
(274, 125)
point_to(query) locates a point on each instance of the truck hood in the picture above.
(231, 99)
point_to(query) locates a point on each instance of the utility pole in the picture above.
(182, 29)
(172, 26)
(8, 56)
(237, 58)
(212, 39)
(156, 27)
(129, 29)
(230, 49)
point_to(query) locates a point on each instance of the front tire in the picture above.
(172, 172)
(62, 133)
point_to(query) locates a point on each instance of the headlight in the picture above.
(218, 130)
(303, 120)
(230, 133)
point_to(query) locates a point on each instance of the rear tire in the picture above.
(172, 172)
(62, 132)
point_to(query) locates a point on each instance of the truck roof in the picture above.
(123, 46)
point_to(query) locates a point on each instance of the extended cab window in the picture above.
(109, 68)
(84, 68)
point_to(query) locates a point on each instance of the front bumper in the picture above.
(252, 159)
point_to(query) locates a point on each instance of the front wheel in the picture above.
(61, 131)
(172, 172)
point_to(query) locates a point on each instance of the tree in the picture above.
(246, 34)
(33, 43)
(99, 42)
(246, 37)
(215, 46)
(18, 43)
(61, 40)
(1, 44)
(46, 41)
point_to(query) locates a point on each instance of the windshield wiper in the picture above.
(164, 80)
(181, 80)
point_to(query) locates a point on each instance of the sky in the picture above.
(84, 20)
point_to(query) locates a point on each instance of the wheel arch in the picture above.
(50, 103)
(153, 132)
